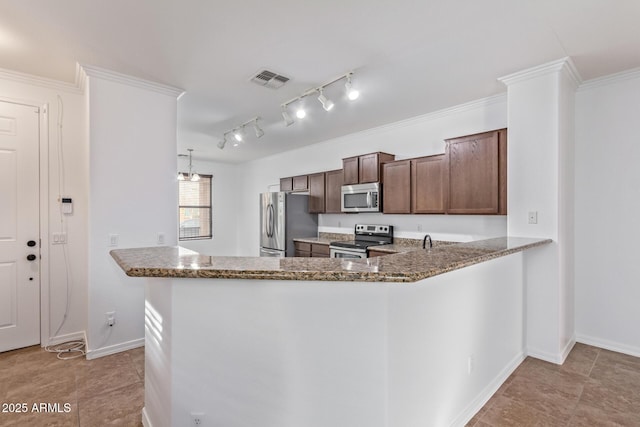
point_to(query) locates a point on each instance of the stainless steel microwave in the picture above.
(361, 197)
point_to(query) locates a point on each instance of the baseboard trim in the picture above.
(567, 349)
(145, 418)
(116, 348)
(609, 345)
(75, 336)
(486, 394)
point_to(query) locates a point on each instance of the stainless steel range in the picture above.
(365, 235)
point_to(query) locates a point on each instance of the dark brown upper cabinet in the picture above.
(365, 168)
(317, 193)
(476, 182)
(333, 195)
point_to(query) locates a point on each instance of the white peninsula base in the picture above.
(246, 353)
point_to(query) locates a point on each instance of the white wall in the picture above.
(132, 193)
(43, 92)
(415, 137)
(607, 199)
(224, 205)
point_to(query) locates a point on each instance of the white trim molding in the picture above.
(609, 345)
(93, 71)
(113, 349)
(610, 79)
(33, 80)
(565, 65)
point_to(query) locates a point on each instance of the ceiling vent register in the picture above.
(269, 79)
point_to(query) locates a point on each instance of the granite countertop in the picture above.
(314, 240)
(409, 266)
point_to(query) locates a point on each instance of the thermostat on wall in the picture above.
(66, 205)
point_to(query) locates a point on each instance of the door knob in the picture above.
(31, 243)
(31, 257)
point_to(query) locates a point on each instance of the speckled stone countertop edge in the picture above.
(405, 267)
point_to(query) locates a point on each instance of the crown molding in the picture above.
(93, 71)
(622, 76)
(564, 65)
(30, 79)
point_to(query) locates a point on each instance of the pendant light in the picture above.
(192, 176)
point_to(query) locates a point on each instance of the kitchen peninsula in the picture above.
(417, 338)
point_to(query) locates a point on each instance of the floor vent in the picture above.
(269, 79)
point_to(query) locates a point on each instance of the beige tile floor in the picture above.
(108, 391)
(594, 387)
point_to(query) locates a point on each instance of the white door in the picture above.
(19, 226)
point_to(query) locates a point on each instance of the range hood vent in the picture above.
(269, 79)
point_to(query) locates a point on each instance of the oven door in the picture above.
(335, 252)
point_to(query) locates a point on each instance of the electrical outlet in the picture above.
(419, 227)
(113, 240)
(471, 364)
(161, 238)
(197, 418)
(533, 217)
(111, 318)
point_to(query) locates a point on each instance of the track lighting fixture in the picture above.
(192, 176)
(352, 93)
(327, 104)
(238, 133)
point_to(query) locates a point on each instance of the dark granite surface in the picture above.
(409, 266)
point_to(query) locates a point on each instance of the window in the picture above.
(195, 208)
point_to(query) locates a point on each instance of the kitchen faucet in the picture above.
(424, 242)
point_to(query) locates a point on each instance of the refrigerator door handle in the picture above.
(271, 219)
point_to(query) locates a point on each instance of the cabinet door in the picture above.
(300, 183)
(302, 249)
(316, 193)
(369, 168)
(427, 184)
(333, 187)
(286, 184)
(474, 174)
(350, 170)
(320, 250)
(396, 190)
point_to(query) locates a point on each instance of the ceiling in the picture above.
(410, 57)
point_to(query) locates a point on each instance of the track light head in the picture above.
(222, 143)
(288, 121)
(257, 129)
(327, 104)
(301, 114)
(237, 134)
(352, 93)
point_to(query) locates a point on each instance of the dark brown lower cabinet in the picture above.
(316, 250)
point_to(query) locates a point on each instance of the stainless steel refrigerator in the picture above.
(284, 216)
